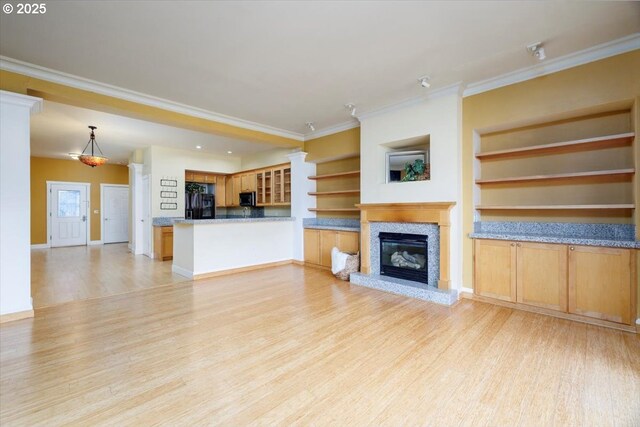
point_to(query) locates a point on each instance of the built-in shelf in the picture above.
(627, 173)
(601, 142)
(335, 175)
(556, 207)
(334, 209)
(333, 193)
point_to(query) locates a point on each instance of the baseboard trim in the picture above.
(240, 269)
(297, 262)
(553, 313)
(19, 315)
(94, 242)
(41, 246)
(182, 272)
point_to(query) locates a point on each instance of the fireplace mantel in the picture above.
(432, 213)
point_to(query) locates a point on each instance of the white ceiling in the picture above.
(286, 63)
(62, 129)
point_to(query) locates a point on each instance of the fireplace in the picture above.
(404, 256)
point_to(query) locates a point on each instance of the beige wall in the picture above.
(45, 169)
(609, 84)
(265, 158)
(335, 146)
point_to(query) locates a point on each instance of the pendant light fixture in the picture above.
(91, 159)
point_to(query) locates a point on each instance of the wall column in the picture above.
(135, 189)
(15, 205)
(300, 200)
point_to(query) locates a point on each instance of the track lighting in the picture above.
(424, 82)
(351, 108)
(536, 50)
(310, 126)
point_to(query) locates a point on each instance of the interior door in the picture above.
(146, 216)
(68, 214)
(115, 226)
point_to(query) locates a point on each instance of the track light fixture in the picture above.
(536, 50)
(351, 108)
(310, 126)
(424, 82)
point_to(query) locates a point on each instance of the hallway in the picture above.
(84, 272)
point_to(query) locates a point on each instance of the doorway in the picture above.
(115, 213)
(68, 220)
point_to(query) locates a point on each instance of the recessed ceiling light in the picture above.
(198, 147)
(424, 82)
(229, 152)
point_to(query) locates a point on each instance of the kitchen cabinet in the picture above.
(318, 245)
(248, 182)
(589, 281)
(541, 277)
(282, 185)
(602, 283)
(188, 176)
(495, 269)
(221, 191)
(263, 187)
(237, 189)
(228, 191)
(163, 243)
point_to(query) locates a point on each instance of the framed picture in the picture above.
(169, 194)
(168, 206)
(168, 183)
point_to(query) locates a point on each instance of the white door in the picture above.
(115, 213)
(146, 216)
(68, 214)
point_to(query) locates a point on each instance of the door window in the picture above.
(68, 203)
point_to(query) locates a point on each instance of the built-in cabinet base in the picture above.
(582, 281)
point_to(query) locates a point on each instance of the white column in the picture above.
(300, 200)
(15, 204)
(135, 181)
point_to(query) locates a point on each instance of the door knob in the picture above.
(84, 218)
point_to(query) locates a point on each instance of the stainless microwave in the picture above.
(248, 198)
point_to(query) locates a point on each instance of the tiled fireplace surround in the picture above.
(431, 219)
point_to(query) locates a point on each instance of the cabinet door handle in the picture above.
(571, 248)
(518, 245)
(513, 244)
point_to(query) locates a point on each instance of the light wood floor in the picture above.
(292, 346)
(82, 272)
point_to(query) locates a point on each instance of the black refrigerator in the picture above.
(208, 206)
(200, 206)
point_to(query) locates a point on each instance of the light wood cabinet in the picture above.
(495, 269)
(318, 245)
(588, 281)
(237, 189)
(263, 187)
(221, 191)
(248, 182)
(602, 283)
(163, 243)
(541, 275)
(228, 191)
(312, 246)
(282, 185)
(188, 176)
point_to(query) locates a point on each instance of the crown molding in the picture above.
(31, 102)
(36, 71)
(341, 127)
(595, 53)
(454, 89)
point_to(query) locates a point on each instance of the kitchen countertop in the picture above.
(333, 227)
(606, 235)
(231, 220)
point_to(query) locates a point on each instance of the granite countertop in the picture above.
(333, 227)
(607, 235)
(338, 224)
(231, 220)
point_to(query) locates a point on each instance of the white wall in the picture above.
(301, 201)
(170, 163)
(15, 204)
(441, 119)
(208, 248)
(265, 158)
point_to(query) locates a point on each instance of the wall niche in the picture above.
(408, 160)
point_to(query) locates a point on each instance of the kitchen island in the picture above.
(212, 247)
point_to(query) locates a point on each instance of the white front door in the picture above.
(115, 213)
(68, 214)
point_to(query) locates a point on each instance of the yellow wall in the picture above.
(335, 146)
(19, 83)
(44, 169)
(598, 86)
